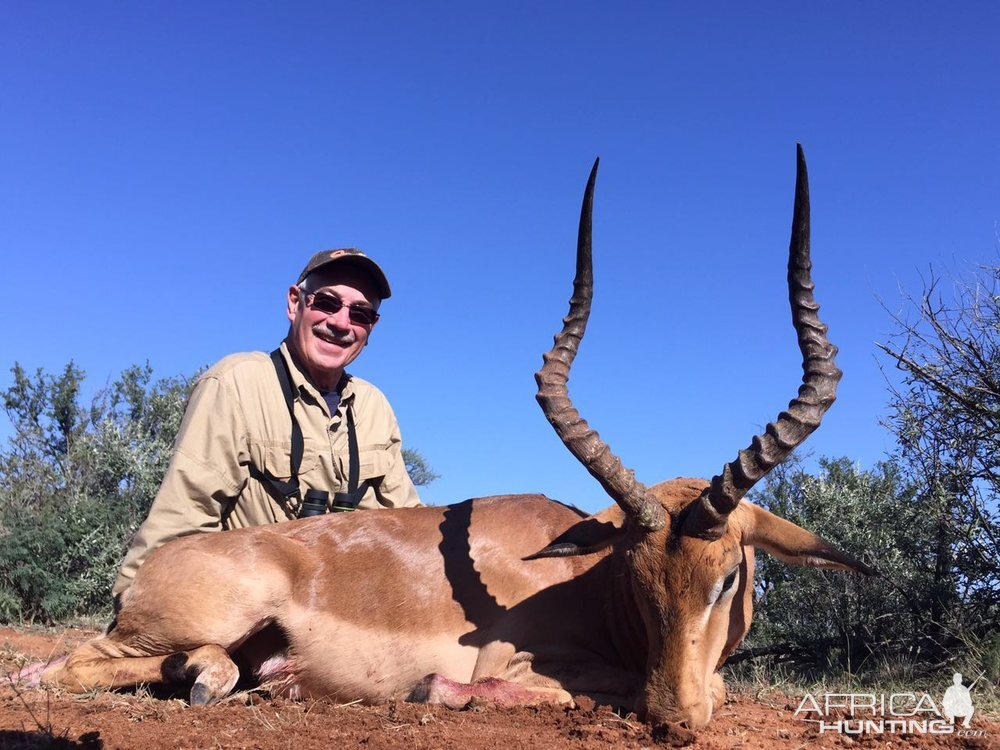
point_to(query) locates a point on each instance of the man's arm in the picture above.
(381, 446)
(397, 490)
(207, 472)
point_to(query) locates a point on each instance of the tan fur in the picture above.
(371, 604)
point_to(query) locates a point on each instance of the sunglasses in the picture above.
(330, 304)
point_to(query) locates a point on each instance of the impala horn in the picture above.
(553, 395)
(817, 392)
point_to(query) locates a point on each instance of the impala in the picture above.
(516, 599)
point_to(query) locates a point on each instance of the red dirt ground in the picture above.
(32, 718)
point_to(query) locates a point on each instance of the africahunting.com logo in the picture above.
(893, 713)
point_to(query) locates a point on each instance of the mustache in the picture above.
(320, 330)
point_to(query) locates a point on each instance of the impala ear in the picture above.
(587, 536)
(795, 545)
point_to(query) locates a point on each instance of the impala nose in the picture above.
(696, 716)
(691, 716)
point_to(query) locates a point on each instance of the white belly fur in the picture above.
(347, 662)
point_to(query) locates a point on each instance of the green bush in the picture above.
(75, 484)
(920, 609)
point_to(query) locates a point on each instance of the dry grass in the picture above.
(760, 677)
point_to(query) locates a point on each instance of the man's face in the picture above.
(326, 344)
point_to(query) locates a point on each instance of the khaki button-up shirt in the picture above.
(237, 416)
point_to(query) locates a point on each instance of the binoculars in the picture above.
(315, 502)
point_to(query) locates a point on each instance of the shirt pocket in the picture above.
(374, 464)
(275, 459)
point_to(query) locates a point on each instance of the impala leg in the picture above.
(501, 675)
(103, 664)
(214, 673)
(436, 688)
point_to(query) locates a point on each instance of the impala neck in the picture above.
(622, 615)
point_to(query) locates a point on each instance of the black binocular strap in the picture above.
(353, 455)
(289, 491)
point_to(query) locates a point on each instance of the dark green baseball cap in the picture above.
(348, 256)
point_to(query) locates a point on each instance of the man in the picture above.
(240, 459)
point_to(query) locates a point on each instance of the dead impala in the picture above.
(517, 599)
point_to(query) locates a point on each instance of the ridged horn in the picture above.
(819, 379)
(553, 395)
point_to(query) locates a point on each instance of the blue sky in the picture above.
(166, 169)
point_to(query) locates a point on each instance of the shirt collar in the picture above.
(302, 384)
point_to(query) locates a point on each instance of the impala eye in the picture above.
(726, 586)
(730, 580)
(723, 588)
